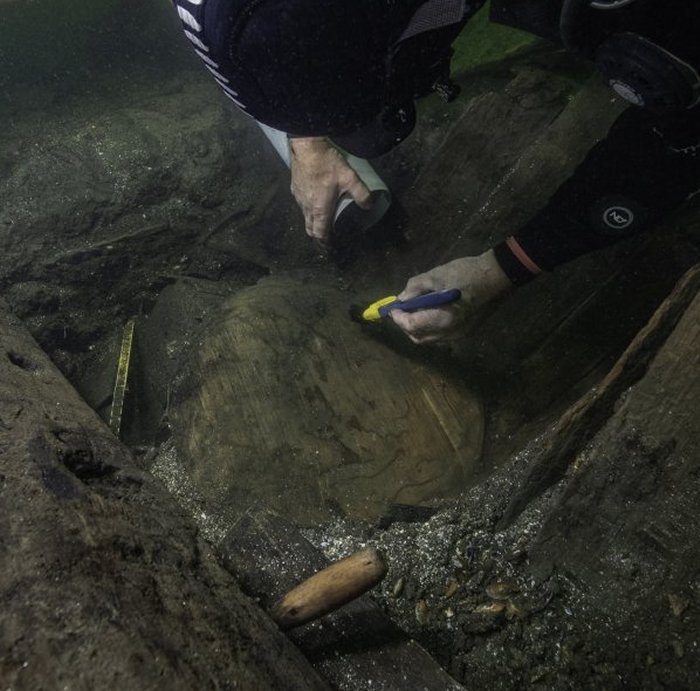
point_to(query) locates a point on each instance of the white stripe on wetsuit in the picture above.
(207, 60)
(188, 18)
(219, 77)
(197, 42)
(228, 89)
(190, 21)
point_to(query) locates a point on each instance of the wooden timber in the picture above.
(356, 647)
(104, 582)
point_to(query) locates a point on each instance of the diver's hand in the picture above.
(320, 175)
(480, 279)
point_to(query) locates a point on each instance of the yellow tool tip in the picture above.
(371, 314)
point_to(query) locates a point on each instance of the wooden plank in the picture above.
(104, 582)
(622, 537)
(578, 425)
(356, 647)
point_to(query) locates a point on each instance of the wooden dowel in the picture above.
(330, 588)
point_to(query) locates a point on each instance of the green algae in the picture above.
(483, 42)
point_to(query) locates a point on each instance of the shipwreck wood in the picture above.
(625, 528)
(288, 402)
(355, 647)
(580, 423)
(330, 588)
(104, 582)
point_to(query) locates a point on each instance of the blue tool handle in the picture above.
(422, 302)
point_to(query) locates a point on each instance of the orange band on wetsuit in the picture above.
(521, 255)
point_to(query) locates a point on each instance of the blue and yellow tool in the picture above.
(381, 308)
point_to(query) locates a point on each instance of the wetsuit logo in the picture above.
(618, 217)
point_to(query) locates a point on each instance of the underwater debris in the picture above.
(490, 608)
(452, 587)
(515, 610)
(397, 590)
(422, 610)
(501, 590)
(678, 604)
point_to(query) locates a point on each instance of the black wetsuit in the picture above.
(309, 68)
(646, 166)
(263, 56)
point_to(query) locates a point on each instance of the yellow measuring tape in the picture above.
(122, 379)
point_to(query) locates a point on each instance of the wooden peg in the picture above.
(330, 588)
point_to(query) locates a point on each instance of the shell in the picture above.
(491, 608)
(678, 604)
(515, 610)
(398, 587)
(422, 610)
(501, 590)
(452, 587)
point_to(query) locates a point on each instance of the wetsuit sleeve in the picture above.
(645, 167)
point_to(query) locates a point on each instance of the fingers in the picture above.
(318, 214)
(359, 192)
(318, 218)
(425, 326)
(318, 224)
(418, 285)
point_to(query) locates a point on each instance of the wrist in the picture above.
(515, 263)
(302, 145)
(494, 274)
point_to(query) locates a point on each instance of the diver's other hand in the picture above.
(480, 279)
(320, 175)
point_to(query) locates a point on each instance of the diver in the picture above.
(347, 74)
